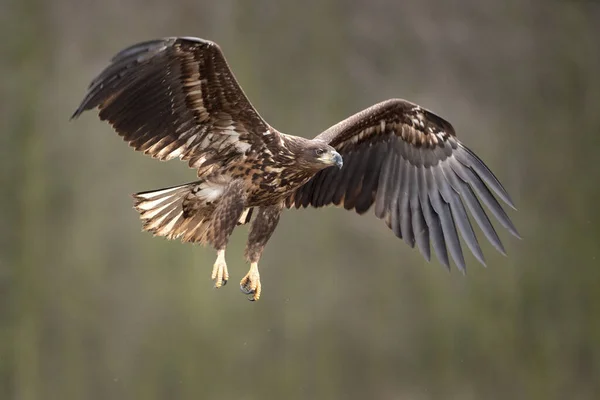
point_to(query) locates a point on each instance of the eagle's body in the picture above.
(273, 173)
(266, 173)
(177, 98)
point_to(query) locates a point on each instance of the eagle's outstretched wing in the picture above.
(177, 97)
(409, 163)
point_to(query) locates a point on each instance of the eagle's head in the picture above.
(318, 155)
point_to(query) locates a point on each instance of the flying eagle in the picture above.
(177, 98)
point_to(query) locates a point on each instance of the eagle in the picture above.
(176, 97)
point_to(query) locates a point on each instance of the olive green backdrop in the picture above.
(90, 308)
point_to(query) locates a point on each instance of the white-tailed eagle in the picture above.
(177, 98)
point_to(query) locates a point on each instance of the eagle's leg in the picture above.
(261, 230)
(223, 222)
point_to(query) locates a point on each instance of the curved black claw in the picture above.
(246, 290)
(223, 283)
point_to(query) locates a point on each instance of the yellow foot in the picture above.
(219, 272)
(250, 284)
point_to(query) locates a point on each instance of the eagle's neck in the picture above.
(292, 154)
(281, 168)
(294, 144)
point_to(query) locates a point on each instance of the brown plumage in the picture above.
(177, 98)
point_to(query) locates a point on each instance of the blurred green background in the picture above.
(91, 308)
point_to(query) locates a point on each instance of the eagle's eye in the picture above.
(320, 152)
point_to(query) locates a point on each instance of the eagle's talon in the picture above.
(245, 289)
(250, 284)
(219, 273)
(220, 284)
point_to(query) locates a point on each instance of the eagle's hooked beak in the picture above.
(331, 157)
(337, 160)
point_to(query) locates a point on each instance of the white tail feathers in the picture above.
(164, 211)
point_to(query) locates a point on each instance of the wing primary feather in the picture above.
(439, 243)
(432, 221)
(384, 184)
(134, 51)
(353, 159)
(475, 208)
(355, 183)
(392, 185)
(448, 228)
(331, 182)
(341, 181)
(318, 187)
(396, 184)
(368, 192)
(420, 230)
(308, 192)
(145, 87)
(399, 185)
(298, 197)
(487, 197)
(404, 206)
(467, 157)
(395, 220)
(459, 213)
(145, 145)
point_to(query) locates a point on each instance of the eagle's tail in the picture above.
(183, 211)
(175, 212)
